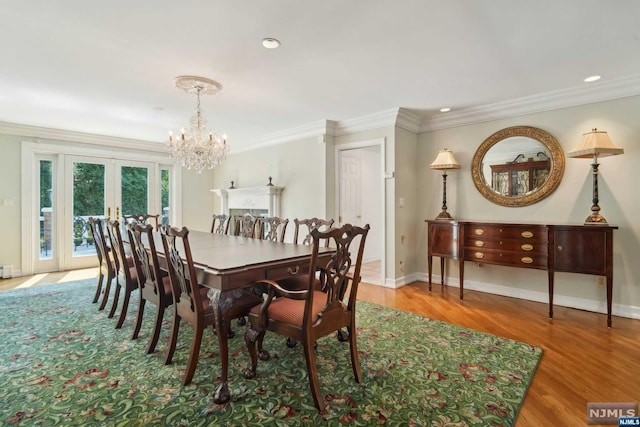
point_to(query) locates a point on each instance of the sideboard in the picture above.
(586, 249)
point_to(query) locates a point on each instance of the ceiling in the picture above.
(109, 69)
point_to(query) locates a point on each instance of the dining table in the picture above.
(227, 265)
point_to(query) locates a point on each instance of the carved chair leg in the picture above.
(136, 329)
(291, 343)
(262, 353)
(100, 280)
(116, 297)
(125, 307)
(194, 354)
(173, 340)
(355, 361)
(312, 370)
(250, 340)
(107, 289)
(230, 333)
(156, 330)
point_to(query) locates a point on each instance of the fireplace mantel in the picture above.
(253, 198)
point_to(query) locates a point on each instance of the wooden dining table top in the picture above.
(220, 255)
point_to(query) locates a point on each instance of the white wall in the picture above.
(10, 222)
(298, 166)
(569, 204)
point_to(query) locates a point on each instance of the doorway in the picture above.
(360, 199)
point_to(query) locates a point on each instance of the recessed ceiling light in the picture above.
(270, 43)
(444, 110)
(592, 79)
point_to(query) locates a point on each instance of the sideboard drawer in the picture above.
(534, 246)
(504, 231)
(507, 258)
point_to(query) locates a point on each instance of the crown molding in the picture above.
(408, 120)
(82, 137)
(324, 127)
(570, 97)
(370, 121)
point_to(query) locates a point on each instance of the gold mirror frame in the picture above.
(551, 183)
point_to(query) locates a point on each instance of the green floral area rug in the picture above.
(62, 362)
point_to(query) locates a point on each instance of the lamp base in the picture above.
(444, 215)
(595, 219)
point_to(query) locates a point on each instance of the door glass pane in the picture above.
(164, 195)
(88, 201)
(46, 209)
(134, 190)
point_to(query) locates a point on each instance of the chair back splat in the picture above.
(306, 226)
(274, 228)
(247, 225)
(324, 306)
(220, 224)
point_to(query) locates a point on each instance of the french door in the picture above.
(105, 188)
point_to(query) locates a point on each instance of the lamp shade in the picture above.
(595, 143)
(445, 160)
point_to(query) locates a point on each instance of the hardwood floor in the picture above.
(583, 360)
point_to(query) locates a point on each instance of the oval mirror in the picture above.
(518, 166)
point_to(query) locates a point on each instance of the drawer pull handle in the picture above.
(526, 247)
(479, 231)
(293, 270)
(479, 243)
(560, 248)
(479, 255)
(527, 234)
(526, 260)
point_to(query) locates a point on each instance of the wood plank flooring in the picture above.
(583, 360)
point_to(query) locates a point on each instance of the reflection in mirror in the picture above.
(518, 166)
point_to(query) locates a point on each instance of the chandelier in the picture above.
(198, 148)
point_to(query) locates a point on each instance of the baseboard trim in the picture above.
(622, 310)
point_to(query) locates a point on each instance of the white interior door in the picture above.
(350, 190)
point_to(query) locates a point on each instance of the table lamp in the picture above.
(444, 161)
(595, 143)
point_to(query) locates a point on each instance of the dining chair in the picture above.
(220, 224)
(106, 268)
(274, 228)
(142, 219)
(247, 225)
(305, 315)
(306, 226)
(191, 303)
(125, 270)
(154, 286)
(302, 236)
